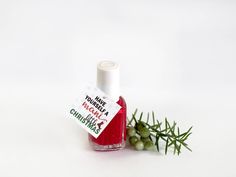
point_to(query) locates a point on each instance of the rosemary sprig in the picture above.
(144, 133)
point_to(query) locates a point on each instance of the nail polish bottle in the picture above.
(113, 136)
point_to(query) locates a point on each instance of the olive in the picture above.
(131, 131)
(145, 139)
(140, 125)
(139, 145)
(149, 145)
(133, 140)
(144, 132)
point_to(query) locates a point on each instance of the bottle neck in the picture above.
(111, 90)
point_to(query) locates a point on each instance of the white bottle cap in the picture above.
(108, 78)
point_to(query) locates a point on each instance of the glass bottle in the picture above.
(113, 136)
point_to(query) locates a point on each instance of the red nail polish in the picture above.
(113, 136)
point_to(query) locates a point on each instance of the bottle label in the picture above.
(93, 110)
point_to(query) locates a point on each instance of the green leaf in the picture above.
(135, 112)
(166, 125)
(166, 145)
(186, 146)
(178, 150)
(171, 143)
(147, 118)
(156, 126)
(133, 118)
(163, 138)
(185, 137)
(172, 130)
(159, 123)
(157, 143)
(173, 126)
(183, 134)
(141, 115)
(153, 118)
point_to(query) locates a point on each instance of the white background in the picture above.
(177, 58)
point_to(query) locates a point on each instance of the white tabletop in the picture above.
(38, 139)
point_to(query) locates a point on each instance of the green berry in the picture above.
(145, 139)
(133, 140)
(140, 125)
(149, 145)
(139, 145)
(131, 131)
(144, 132)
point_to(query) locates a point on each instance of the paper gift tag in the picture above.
(93, 110)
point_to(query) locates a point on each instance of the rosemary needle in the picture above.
(149, 135)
